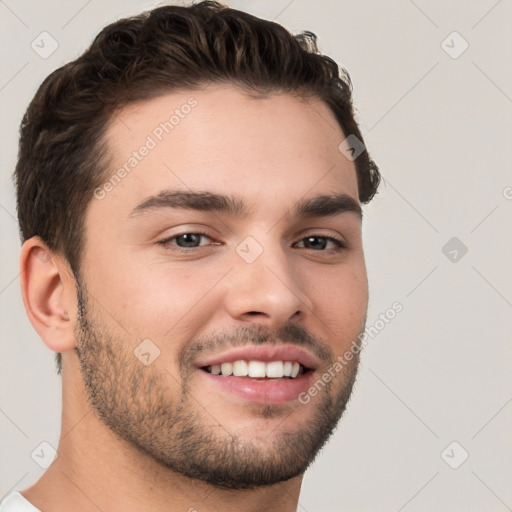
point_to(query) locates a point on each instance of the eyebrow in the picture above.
(319, 206)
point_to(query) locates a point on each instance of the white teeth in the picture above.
(258, 369)
(226, 368)
(275, 369)
(240, 369)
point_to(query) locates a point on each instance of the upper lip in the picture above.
(265, 353)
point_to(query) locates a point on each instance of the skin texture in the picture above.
(121, 445)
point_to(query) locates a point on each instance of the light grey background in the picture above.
(440, 129)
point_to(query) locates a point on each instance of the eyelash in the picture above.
(165, 243)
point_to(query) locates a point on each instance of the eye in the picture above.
(185, 240)
(319, 243)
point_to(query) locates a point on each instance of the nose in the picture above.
(267, 291)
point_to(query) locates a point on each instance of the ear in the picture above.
(49, 294)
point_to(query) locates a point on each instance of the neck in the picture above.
(97, 470)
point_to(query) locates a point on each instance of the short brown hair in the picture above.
(63, 156)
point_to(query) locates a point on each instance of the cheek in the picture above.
(167, 306)
(166, 302)
(342, 304)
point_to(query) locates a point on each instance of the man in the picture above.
(189, 198)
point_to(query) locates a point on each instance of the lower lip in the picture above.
(262, 391)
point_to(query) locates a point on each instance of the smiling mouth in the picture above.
(260, 370)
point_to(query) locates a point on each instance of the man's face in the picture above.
(205, 285)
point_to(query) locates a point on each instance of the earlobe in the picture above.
(48, 292)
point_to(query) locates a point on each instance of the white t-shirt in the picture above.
(15, 502)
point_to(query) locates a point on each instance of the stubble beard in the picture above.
(137, 403)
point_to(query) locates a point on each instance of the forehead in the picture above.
(221, 140)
